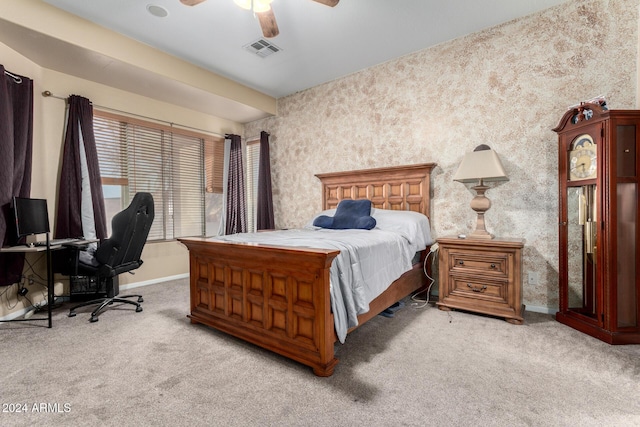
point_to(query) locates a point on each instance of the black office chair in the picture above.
(118, 254)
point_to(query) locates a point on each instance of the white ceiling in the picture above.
(318, 43)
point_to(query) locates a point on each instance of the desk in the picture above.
(50, 295)
(31, 249)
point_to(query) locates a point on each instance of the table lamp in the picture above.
(482, 164)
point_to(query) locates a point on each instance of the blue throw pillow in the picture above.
(349, 214)
(323, 221)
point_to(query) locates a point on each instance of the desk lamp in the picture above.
(482, 164)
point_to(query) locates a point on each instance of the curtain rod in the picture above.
(48, 94)
(15, 78)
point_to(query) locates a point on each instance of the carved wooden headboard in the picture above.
(399, 187)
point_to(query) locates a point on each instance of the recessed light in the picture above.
(158, 11)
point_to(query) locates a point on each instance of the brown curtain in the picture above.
(265, 220)
(16, 144)
(79, 130)
(236, 197)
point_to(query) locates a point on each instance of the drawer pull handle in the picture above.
(475, 289)
(492, 266)
(461, 262)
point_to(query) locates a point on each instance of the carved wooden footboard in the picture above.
(278, 297)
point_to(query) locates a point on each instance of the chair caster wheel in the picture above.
(138, 309)
(72, 314)
(94, 319)
(140, 299)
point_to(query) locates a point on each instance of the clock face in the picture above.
(583, 159)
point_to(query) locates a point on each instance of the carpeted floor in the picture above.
(421, 367)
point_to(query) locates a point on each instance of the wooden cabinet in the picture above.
(599, 211)
(483, 276)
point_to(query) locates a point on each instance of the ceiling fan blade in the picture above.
(268, 23)
(191, 2)
(330, 3)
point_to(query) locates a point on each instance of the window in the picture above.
(253, 166)
(176, 166)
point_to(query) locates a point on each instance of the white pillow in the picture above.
(414, 226)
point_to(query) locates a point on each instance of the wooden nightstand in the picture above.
(484, 276)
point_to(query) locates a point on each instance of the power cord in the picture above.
(31, 267)
(5, 293)
(33, 279)
(418, 302)
(28, 299)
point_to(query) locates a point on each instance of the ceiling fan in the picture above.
(263, 11)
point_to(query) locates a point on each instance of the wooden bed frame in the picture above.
(278, 297)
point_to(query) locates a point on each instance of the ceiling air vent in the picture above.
(262, 48)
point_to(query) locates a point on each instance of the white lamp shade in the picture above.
(258, 5)
(482, 164)
(245, 4)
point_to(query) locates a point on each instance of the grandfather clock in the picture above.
(599, 224)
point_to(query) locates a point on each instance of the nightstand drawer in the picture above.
(494, 291)
(479, 263)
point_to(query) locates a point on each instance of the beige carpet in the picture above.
(422, 367)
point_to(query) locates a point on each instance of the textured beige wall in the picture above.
(507, 87)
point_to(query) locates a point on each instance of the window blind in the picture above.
(169, 163)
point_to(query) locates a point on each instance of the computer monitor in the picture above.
(31, 216)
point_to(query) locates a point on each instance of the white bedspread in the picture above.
(368, 262)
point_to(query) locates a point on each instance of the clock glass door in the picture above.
(582, 250)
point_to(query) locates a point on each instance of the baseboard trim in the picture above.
(15, 314)
(153, 281)
(40, 313)
(541, 309)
